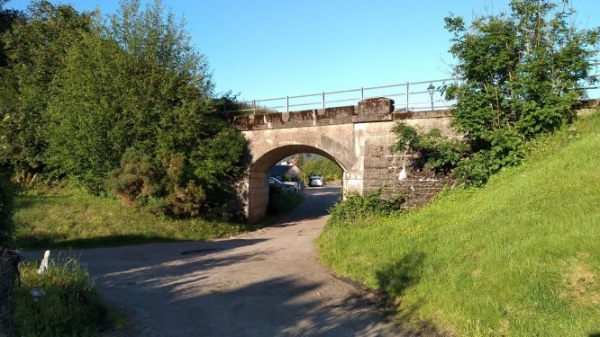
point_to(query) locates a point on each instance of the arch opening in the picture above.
(258, 175)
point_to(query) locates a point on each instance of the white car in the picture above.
(316, 180)
(288, 187)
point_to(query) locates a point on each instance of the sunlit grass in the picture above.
(67, 304)
(519, 257)
(72, 218)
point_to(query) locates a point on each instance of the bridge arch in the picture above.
(269, 147)
(358, 138)
(270, 158)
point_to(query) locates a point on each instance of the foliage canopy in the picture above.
(86, 99)
(521, 75)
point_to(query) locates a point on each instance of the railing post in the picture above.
(287, 103)
(254, 107)
(362, 93)
(407, 92)
(323, 99)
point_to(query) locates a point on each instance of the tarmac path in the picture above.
(264, 283)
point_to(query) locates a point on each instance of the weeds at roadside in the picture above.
(65, 304)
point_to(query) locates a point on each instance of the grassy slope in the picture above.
(520, 257)
(74, 218)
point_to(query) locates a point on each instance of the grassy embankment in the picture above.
(73, 218)
(519, 257)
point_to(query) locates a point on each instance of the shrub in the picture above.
(166, 190)
(185, 202)
(356, 208)
(135, 180)
(435, 151)
(507, 149)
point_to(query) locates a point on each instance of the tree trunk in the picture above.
(8, 272)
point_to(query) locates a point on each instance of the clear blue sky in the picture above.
(274, 48)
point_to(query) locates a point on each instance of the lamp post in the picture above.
(431, 90)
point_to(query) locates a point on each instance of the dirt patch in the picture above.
(582, 283)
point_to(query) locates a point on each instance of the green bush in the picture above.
(69, 307)
(356, 208)
(522, 75)
(186, 201)
(507, 149)
(135, 180)
(6, 210)
(165, 190)
(434, 150)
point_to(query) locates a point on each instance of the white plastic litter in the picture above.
(44, 265)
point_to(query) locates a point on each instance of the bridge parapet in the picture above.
(369, 110)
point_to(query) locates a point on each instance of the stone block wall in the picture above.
(375, 106)
(374, 109)
(382, 167)
(257, 196)
(383, 170)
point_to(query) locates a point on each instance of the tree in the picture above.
(135, 82)
(135, 93)
(318, 165)
(35, 48)
(7, 18)
(521, 75)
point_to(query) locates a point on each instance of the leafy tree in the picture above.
(7, 18)
(123, 103)
(35, 47)
(90, 125)
(521, 74)
(136, 82)
(134, 93)
(318, 165)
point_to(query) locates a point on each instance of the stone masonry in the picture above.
(358, 138)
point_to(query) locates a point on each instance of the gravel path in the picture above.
(264, 283)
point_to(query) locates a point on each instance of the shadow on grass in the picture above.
(393, 281)
(47, 241)
(28, 201)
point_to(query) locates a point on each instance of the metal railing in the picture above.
(408, 96)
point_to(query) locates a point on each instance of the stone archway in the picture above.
(265, 155)
(358, 138)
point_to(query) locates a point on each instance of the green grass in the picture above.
(72, 218)
(519, 257)
(69, 305)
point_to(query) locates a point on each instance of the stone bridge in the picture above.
(358, 138)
